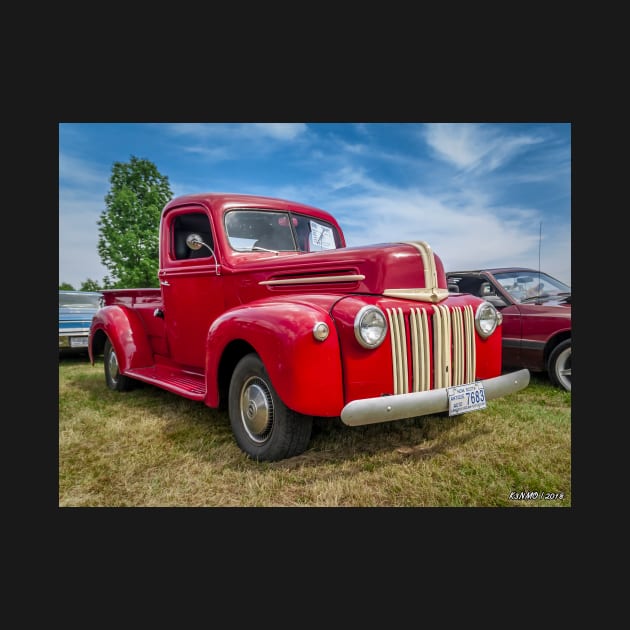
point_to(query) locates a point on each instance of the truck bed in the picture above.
(144, 302)
(132, 297)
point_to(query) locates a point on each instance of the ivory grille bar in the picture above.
(442, 343)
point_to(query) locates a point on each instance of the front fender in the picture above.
(305, 373)
(124, 328)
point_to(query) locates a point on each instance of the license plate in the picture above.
(464, 398)
(78, 342)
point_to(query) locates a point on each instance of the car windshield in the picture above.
(526, 286)
(258, 230)
(80, 300)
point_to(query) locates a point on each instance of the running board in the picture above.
(188, 384)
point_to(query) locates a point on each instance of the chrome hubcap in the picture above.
(113, 366)
(256, 409)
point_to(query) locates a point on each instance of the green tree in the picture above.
(129, 226)
(90, 285)
(66, 286)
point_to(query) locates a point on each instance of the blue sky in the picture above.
(477, 193)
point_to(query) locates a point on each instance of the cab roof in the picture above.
(221, 202)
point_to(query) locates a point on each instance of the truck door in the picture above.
(191, 286)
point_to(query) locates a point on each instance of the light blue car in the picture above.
(76, 309)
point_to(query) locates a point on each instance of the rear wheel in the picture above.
(559, 365)
(263, 426)
(114, 379)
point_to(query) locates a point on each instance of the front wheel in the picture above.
(264, 427)
(114, 379)
(559, 365)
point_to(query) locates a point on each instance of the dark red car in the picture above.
(536, 311)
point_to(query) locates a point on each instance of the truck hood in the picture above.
(408, 270)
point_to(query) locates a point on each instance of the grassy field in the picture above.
(150, 448)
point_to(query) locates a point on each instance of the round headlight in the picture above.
(487, 318)
(370, 327)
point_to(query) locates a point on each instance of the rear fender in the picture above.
(305, 373)
(124, 328)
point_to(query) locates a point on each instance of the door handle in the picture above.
(165, 283)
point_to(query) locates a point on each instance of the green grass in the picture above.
(150, 448)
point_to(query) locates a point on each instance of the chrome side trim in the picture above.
(315, 279)
(401, 406)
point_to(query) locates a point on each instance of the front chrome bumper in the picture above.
(401, 406)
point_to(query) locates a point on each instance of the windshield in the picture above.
(271, 230)
(529, 285)
(80, 300)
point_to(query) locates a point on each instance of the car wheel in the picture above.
(264, 427)
(559, 365)
(114, 379)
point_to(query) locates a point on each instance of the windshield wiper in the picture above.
(264, 249)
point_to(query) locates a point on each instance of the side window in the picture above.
(470, 285)
(184, 225)
(315, 234)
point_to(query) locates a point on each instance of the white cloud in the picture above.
(475, 147)
(236, 131)
(76, 172)
(82, 190)
(281, 131)
(346, 177)
(213, 154)
(465, 232)
(78, 239)
(223, 142)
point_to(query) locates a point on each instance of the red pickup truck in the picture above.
(263, 310)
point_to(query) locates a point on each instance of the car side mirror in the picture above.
(195, 242)
(495, 300)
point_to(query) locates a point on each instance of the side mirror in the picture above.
(195, 242)
(496, 300)
(486, 289)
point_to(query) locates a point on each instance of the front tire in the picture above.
(114, 379)
(265, 429)
(559, 365)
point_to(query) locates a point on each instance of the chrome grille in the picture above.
(451, 359)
